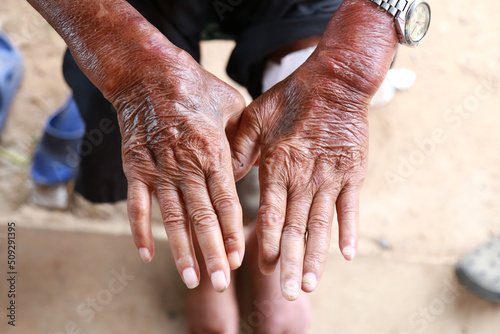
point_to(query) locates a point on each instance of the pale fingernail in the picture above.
(190, 278)
(145, 254)
(219, 281)
(291, 290)
(349, 253)
(234, 260)
(310, 281)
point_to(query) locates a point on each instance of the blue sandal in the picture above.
(56, 158)
(11, 72)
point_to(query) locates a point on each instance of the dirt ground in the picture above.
(431, 194)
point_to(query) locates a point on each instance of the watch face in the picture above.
(419, 19)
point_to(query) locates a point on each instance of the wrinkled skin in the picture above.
(311, 132)
(174, 144)
(313, 138)
(174, 118)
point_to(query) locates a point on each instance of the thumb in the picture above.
(233, 112)
(245, 146)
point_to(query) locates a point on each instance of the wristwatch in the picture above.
(412, 18)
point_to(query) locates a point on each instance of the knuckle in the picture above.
(270, 216)
(294, 230)
(203, 219)
(350, 161)
(318, 222)
(174, 223)
(211, 145)
(212, 159)
(137, 209)
(213, 151)
(232, 238)
(348, 212)
(320, 177)
(355, 181)
(134, 153)
(276, 156)
(300, 183)
(173, 218)
(280, 152)
(214, 260)
(225, 203)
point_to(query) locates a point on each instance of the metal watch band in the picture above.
(393, 7)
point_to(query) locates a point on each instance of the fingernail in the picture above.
(190, 278)
(349, 253)
(291, 290)
(310, 281)
(234, 260)
(145, 254)
(219, 281)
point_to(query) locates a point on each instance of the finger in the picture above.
(233, 114)
(318, 239)
(246, 143)
(348, 218)
(208, 231)
(139, 213)
(224, 198)
(231, 100)
(179, 235)
(271, 218)
(293, 242)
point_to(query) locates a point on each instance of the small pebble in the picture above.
(384, 243)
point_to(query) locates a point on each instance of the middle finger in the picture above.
(293, 241)
(208, 230)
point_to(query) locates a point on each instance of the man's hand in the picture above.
(173, 116)
(312, 135)
(313, 138)
(174, 144)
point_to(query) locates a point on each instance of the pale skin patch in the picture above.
(102, 11)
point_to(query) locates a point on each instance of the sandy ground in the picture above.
(432, 190)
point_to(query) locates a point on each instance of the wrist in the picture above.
(125, 54)
(358, 46)
(113, 44)
(142, 71)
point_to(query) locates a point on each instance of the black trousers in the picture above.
(259, 28)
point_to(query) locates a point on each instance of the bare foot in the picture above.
(211, 312)
(272, 313)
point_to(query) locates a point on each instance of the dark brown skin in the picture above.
(310, 130)
(173, 116)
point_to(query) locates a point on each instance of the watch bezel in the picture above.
(403, 23)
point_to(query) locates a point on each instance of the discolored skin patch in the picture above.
(309, 134)
(173, 118)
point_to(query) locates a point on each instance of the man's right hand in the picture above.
(173, 117)
(174, 144)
